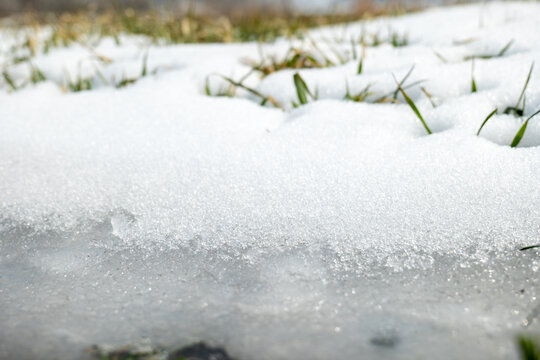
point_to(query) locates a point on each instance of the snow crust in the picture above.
(334, 230)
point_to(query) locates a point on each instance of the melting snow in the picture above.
(334, 230)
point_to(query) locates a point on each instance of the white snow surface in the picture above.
(333, 230)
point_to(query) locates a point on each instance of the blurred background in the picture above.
(8, 7)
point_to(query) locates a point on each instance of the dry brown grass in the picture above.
(189, 25)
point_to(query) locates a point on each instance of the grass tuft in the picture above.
(239, 84)
(36, 76)
(359, 97)
(295, 58)
(80, 84)
(392, 96)
(398, 40)
(412, 106)
(144, 72)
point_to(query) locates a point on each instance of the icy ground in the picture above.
(337, 230)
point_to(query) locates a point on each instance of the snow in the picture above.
(332, 230)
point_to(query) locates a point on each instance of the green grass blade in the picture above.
(242, 86)
(336, 53)
(429, 96)
(407, 75)
(530, 247)
(144, 70)
(392, 96)
(348, 95)
(324, 56)
(414, 83)
(353, 48)
(442, 58)
(412, 106)
(87, 84)
(473, 83)
(102, 77)
(521, 131)
(529, 350)
(525, 86)
(243, 78)
(251, 90)
(301, 89)
(403, 81)
(9, 80)
(207, 87)
(36, 75)
(486, 120)
(361, 62)
(505, 48)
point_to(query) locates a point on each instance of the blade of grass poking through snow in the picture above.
(9, 80)
(394, 94)
(529, 350)
(473, 83)
(333, 50)
(505, 48)
(486, 120)
(361, 96)
(525, 86)
(516, 110)
(36, 75)
(207, 86)
(442, 58)
(530, 247)
(348, 95)
(429, 96)
(329, 62)
(301, 89)
(521, 131)
(412, 105)
(491, 56)
(361, 62)
(353, 50)
(101, 76)
(402, 82)
(264, 98)
(243, 78)
(144, 71)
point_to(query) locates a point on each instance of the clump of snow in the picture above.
(154, 211)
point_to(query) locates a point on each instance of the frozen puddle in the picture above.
(336, 230)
